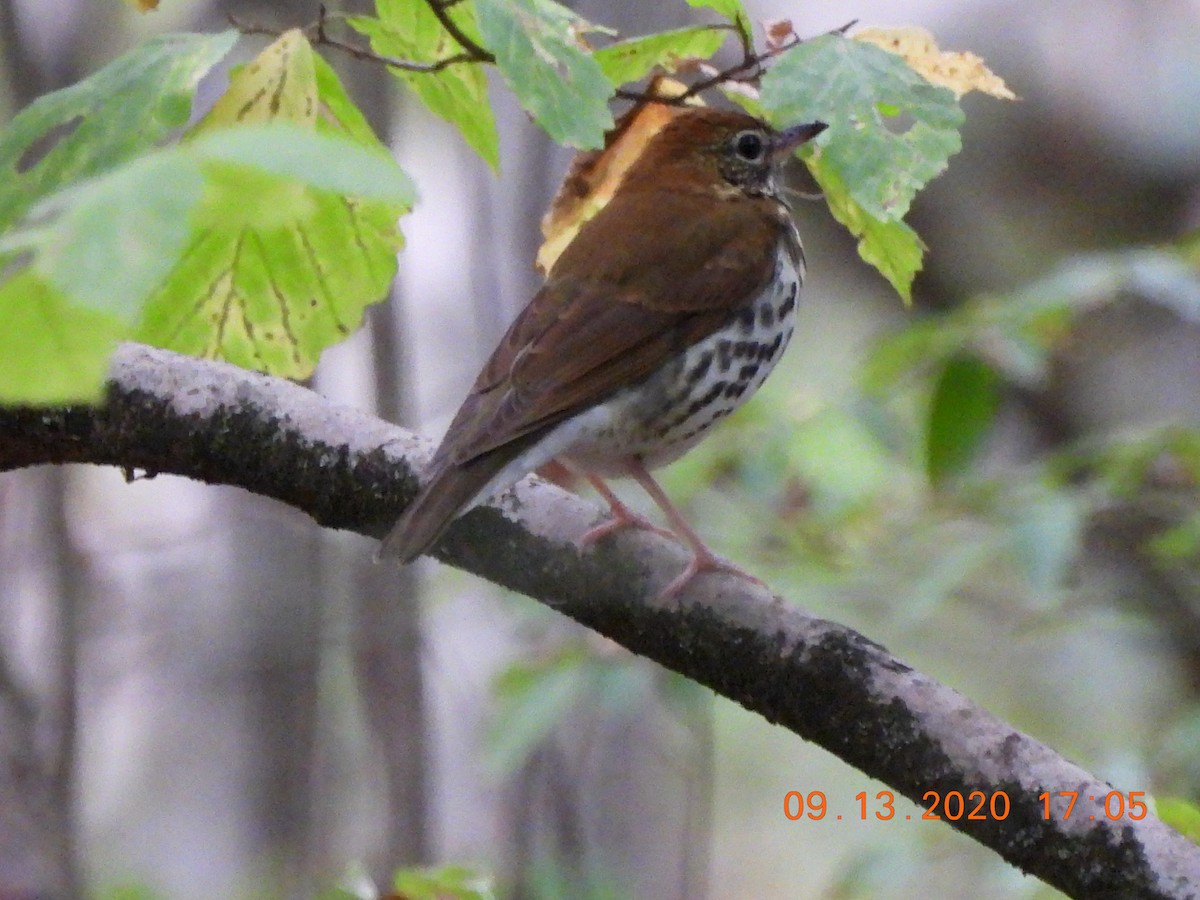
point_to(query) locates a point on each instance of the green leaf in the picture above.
(883, 160)
(961, 412)
(533, 699)
(107, 243)
(269, 284)
(889, 245)
(336, 113)
(1178, 544)
(260, 245)
(457, 93)
(317, 160)
(107, 119)
(730, 9)
(836, 455)
(51, 351)
(538, 52)
(911, 351)
(128, 892)
(456, 882)
(632, 59)
(1180, 814)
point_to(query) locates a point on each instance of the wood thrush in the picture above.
(663, 315)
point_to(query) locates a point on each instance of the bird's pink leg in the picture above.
(703, 559)
(622, 517)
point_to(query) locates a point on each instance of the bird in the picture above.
(662, 316)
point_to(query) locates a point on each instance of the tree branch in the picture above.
(825, 682)
(318, 34)
(441, 10)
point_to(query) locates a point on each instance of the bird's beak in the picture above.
(789, 139)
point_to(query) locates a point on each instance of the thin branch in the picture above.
(318, 34)
(393, 62)
(748, 71)
(440, 9)
(823, 681)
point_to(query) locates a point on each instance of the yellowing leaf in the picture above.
(143, 5)
(595, 174)
(889, 245)
(284, 253)
(960, 72)
(283, 257)
(279, 85)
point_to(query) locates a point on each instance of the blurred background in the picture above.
(204, 695)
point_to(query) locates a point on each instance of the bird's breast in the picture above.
(662, 417)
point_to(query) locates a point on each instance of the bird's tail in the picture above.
(452, 489)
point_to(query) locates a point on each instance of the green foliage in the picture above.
(128, 892)
(107, 234)
(164, 247)
(534, 697)
(445, 883)
(836, 454)
(890, 132)
(1179, 544)
(730, 9)
(1045, 524)
(554, 878)
(630, 60)
(116, 114)
(457, 93)
(58, 322)
(964, 402)
(50, 350)
(537, 51)
(269, 285)
(281, 84)
(1180, 814)
(890, 245)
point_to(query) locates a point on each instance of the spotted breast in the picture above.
(659, 420)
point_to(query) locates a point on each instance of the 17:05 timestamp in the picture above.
(971, 806)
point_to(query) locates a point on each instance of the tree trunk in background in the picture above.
(37, 699)
(39, 853)
(388, 645)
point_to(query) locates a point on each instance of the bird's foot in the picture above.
(622, 517)
(704, 560)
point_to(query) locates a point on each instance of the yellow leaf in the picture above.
(143, 5)
(594, 174)
(960, 72)
(280, 84)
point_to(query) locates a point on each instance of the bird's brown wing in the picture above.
(609, 318)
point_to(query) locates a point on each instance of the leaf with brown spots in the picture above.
(279, 84)
(277, 269)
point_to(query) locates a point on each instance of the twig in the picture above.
(319, 35)
(750, 62)
(472, 52)
(439, 8)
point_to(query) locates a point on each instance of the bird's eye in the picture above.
(750, 146)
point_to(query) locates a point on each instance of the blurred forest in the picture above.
(202, 694)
